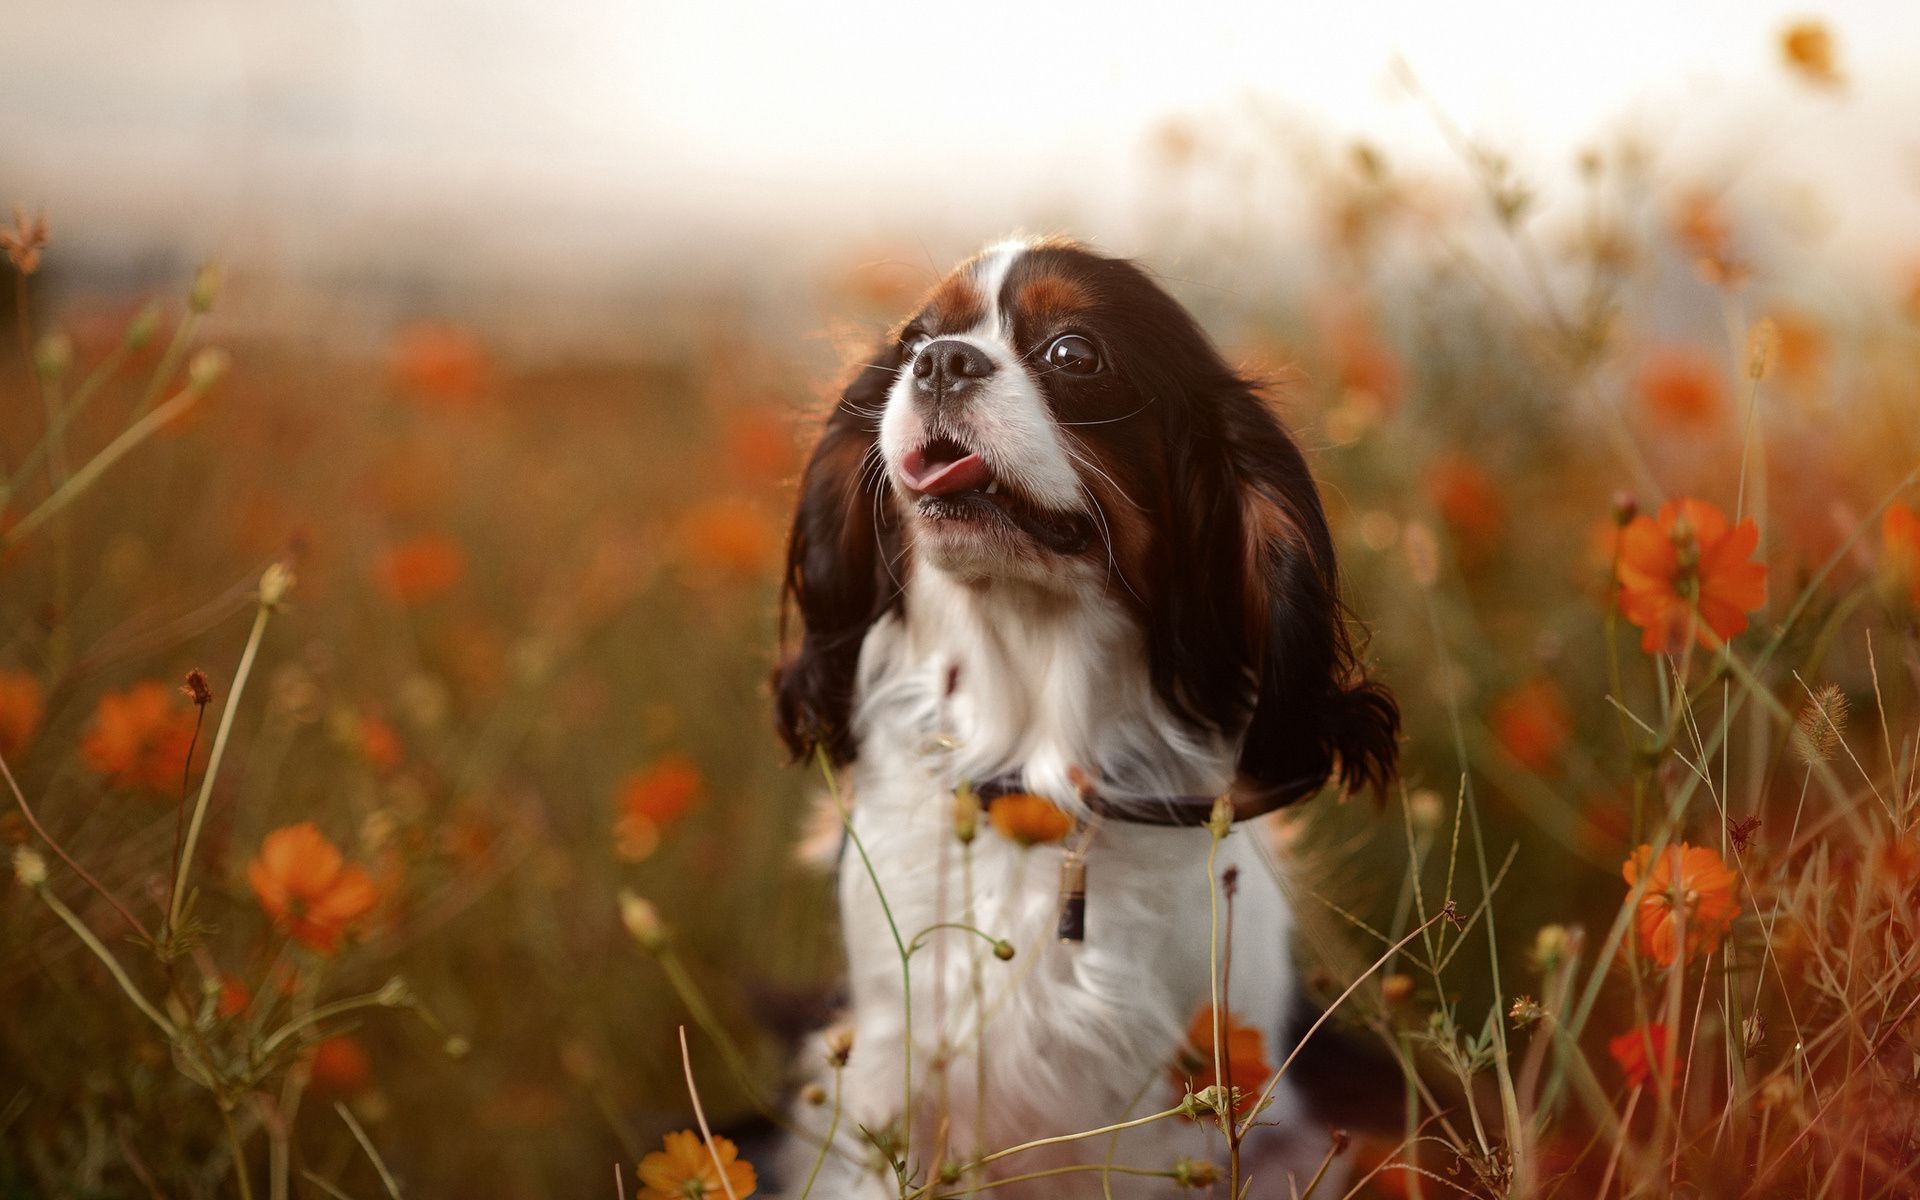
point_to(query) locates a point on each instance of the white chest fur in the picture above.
(1065, 1037)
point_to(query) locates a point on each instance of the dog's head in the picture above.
(1050, 419)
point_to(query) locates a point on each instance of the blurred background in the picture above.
(524, 311)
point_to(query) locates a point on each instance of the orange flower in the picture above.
(1700, 225)
(1531, 723)
(1680, 385)
(380, 745)
(652, 800)
(685, 1170)
(728, 538)
(1685, 563)
(1631, 1051)
(438, 361)
(339, 1066)
(1243, 1049)
(21, 706)
(1900, 550)
(1689, 887)
(759, 447)
(1468, 500)
(234, 998)
(1028, 819)
(308, 890)
(420, 569)
(1806, 47)
(140, 737)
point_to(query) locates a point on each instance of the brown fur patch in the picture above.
(955, 305)
(1051, 298)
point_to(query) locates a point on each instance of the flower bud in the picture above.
(275, 582)
(642, 920)
(206, 286)
(1195, 1173)
(1625, 507)
(53, 356)
(966, 814)
(1003, 950)
(205, 368)
(141, 329)
(28, 867)
(1220, 820)
(1550, 947)
(839, 1045)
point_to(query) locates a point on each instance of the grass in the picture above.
(461, 608)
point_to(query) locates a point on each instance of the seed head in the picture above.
(24, 241)
(275, 582)
(839, 1045)
(197, 689)
(1195, 1173)
(1816, 733)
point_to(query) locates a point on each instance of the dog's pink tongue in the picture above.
(945, 478)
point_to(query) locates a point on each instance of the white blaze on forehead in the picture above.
(1005, 419)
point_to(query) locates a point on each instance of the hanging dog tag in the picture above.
(1073, 898)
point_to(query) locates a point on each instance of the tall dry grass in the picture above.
(478, 640)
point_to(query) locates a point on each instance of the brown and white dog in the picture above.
(1050, 542)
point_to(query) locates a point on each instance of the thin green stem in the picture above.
(833, 1127)
(179, 893)
(107, 959)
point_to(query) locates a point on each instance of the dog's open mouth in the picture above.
(954, 483)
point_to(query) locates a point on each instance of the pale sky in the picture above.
(595, 131)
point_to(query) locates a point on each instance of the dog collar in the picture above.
(1186, 812)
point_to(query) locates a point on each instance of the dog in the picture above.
(1050, 544)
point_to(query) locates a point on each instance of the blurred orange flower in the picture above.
(728, 537)
(380, 745)
(1638, 1050)
(1689, 887)
(234, 998)
(1900, 549)
(140, 737)
(1685, 562)
(1028, 819)
(1700, 225)
(21, 706)
(1680, 385)
(1806, 47)
(1243, 1048)
(759, 446)
(338, 1066)
(1468, 500)
(651, 801)
(1532, 724)
(685, 1170)
(440, 361)
(306, 887)
(421, 568)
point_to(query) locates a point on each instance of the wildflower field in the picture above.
(389, 785)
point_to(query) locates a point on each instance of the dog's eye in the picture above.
(1073, 353)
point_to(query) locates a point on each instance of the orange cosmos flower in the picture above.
(441, 362)
(685, 1170)
(339, 1066)
(21, 706)
(1468, 500)
(308, 890)
(728, 538)
(1242, 1047)
(1531, 723)
(1685, 569)
(652, 800)
(1689, 887)
(1680, 385)
(1806, 47)
(1900, 550)
(380, 745)
(420, 569)
(1028, 819)
(1643, 1051)
(140, 737)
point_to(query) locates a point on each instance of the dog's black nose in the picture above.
(948, 365)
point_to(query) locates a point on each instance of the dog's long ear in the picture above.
(843, 563)
(1257, 638)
